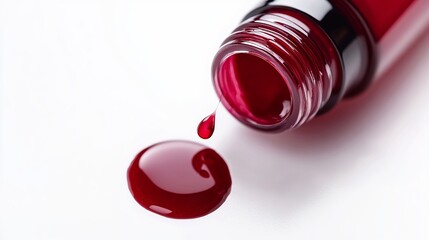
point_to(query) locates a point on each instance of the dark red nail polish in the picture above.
(179, 179)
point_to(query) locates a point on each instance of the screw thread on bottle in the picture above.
(300, 52)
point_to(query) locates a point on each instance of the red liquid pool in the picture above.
(179, 179)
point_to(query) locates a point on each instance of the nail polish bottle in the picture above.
(290, 60)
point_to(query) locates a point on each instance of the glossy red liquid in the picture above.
(179, 179)
(264, 96)
(207, 126)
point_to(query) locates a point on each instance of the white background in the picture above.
(86, 84)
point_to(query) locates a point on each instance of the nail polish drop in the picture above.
(207, 126)
(179, 179)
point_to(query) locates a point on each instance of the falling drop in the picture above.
(207, 126)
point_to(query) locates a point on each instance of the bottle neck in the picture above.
(277, 70)
(350, 33)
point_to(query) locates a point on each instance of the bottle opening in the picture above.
(254, 89)
(277, 70)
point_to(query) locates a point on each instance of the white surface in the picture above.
(86, 84)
